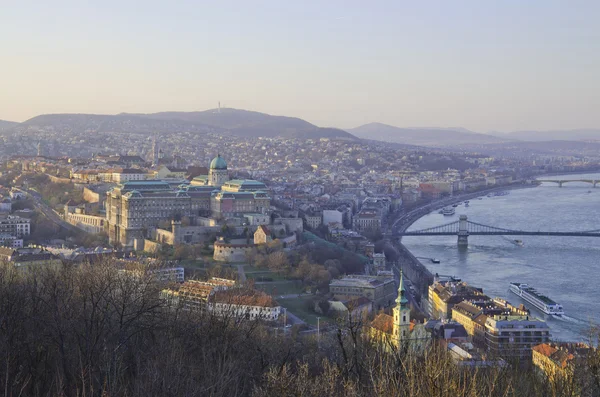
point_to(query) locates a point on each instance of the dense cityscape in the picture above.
(297, 234)
(300, 199)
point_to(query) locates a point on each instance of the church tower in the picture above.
(217, 174)
(154, 151)
(401, 314)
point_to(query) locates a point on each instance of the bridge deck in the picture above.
(506, 233)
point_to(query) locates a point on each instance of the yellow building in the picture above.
(169, 172)
(443, 295)
(555, 360)
(465, 314)
(28, 258)
(262, 235)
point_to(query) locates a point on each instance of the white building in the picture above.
(15, 226)
(244, 304)
(89, 223)
(332, 216)
(129, 174)
(6, 240)
(313, 221)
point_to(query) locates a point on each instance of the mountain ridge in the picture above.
(5, 124)
(423, 136)
(235, 121)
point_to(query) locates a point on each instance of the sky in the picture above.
(483, 65)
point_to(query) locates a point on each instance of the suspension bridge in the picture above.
(463, 228)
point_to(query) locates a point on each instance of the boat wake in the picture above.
(571, 319)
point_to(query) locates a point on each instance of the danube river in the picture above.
(567, 269)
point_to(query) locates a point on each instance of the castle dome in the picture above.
(218, 163)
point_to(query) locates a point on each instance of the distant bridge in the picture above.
(464, 228)
(560, 182)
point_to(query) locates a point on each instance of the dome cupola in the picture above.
(218, 163)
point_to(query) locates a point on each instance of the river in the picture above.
(567, 269)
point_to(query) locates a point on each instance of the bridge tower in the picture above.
(463, 232)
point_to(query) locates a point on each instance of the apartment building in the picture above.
(513, 336)
(16, 226)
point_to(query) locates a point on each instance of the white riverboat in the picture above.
(539, 301)
(448, 211)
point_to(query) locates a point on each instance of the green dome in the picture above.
(218, 163)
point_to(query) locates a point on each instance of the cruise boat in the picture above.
(448, 211)
(538, 300)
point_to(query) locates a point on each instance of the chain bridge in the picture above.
(463, 228)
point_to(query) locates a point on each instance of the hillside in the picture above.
(5, 125)
(423, 136)
(254, 124)
(239, 122)
(93, 123)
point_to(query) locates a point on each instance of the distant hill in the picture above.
(5, 125)
(254, 124)
(554, 135)
(125, 123)
(548, 146)
(239, 122)
(423, 136)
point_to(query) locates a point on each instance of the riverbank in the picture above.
(404, 222)
(493, 262)
(420, 276)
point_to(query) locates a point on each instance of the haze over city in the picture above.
(479, 65)
(300, 198)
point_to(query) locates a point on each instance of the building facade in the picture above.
(15, 226)
(135, 207)
(244, 304)
(380, 290)
(443, 295)
(513, 336)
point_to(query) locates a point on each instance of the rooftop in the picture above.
(246, 297)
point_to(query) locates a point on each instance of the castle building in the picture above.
(134, 207)
(217, 174)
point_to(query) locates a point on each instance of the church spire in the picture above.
(401, 299)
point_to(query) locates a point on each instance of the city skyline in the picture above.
(479, 66)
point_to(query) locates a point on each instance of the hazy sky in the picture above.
(484, 65)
